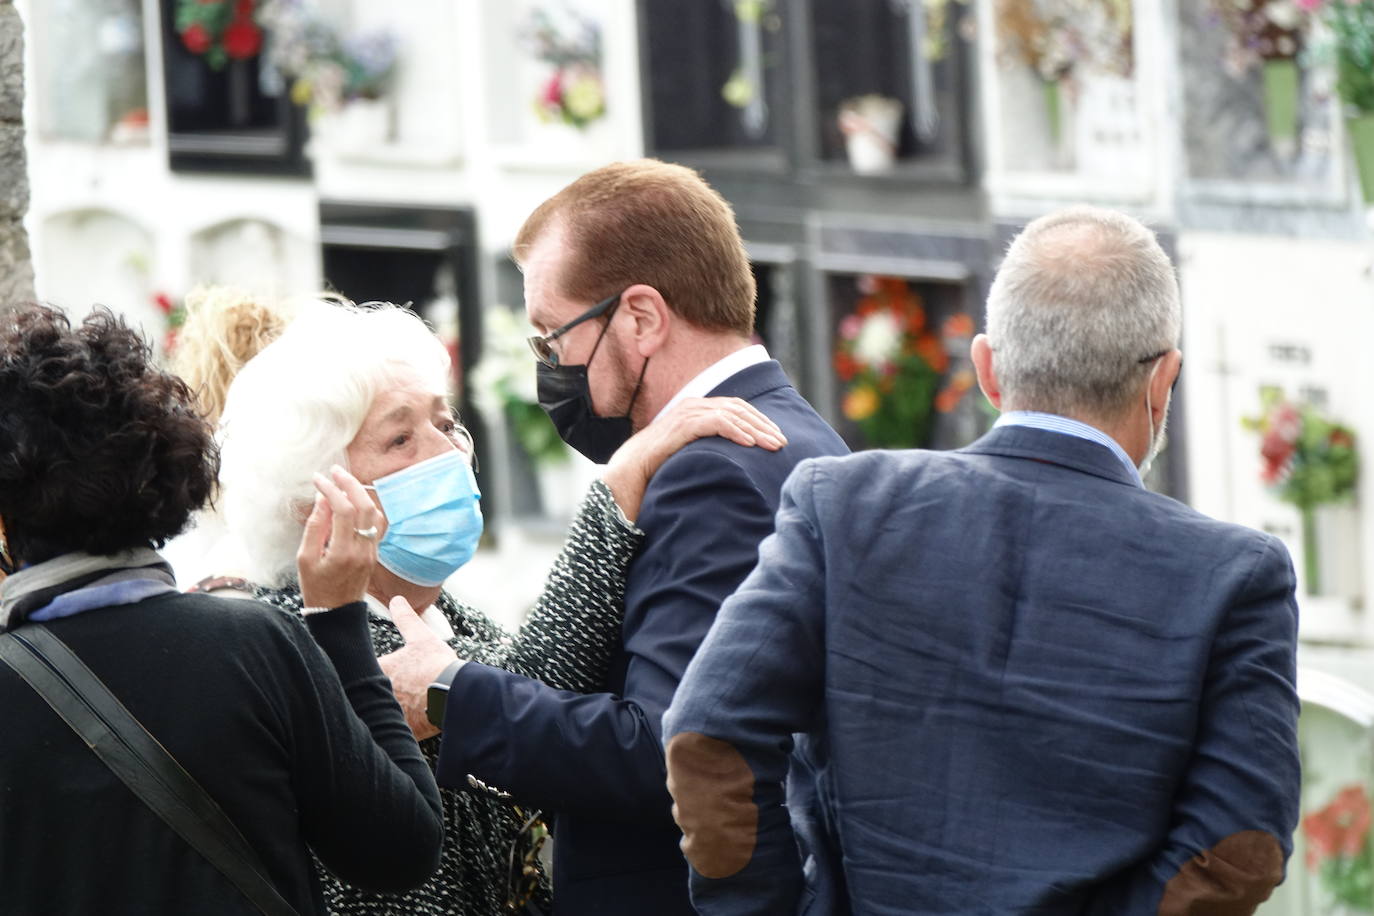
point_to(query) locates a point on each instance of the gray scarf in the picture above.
(35, 586)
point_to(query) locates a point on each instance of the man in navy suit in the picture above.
(1023, 682)
(638, 281)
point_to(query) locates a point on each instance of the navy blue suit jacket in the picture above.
(1026, 685)
(597, 760)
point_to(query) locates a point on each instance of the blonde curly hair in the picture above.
(225, 327)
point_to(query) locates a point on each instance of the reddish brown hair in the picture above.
(650, 222)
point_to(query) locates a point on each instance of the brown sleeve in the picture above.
(713, 802)
(1230, 879)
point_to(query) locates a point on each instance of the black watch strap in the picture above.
(436, 702)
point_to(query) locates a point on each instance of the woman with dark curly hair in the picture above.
(102, 459)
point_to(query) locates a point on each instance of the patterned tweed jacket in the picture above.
(567, 643)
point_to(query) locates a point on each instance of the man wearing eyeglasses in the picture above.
(1027, 684)
(639, 286)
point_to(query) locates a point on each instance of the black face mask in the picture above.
(566, 397)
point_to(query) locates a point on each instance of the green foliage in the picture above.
(1350, 880)
(1352, 27)
(535, 432)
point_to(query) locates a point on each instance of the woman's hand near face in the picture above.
(634, 463)
(334, 560)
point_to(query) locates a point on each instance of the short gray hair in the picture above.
(294, 409)
(1083, 296)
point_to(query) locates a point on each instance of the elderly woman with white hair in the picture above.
(361, 392)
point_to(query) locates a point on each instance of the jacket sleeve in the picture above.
(600, 755)
(369, 806)
(574, 628)
(757, 680)
(1237, 805)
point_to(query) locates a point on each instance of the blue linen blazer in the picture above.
(597, 760)
(1023, 683)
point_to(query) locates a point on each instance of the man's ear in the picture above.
(649, 317)
(1162, 384)
(981, 351)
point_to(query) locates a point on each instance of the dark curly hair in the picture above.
(100, 451)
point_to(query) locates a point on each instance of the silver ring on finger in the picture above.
(367, 534)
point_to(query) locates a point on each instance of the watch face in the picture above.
(436, 703)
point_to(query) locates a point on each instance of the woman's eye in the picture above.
(399, 440)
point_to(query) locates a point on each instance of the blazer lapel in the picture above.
(1054, 448)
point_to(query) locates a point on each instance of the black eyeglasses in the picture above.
(543, 346)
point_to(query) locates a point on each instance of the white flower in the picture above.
(879, 340)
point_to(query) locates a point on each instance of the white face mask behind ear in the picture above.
(1158, 438)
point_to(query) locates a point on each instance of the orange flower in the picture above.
(915, 320)
(929, 348)
(860, 403)
(959, 325)
(954, 392)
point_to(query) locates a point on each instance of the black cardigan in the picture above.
(243, 697)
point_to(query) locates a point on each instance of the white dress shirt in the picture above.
(707, 379)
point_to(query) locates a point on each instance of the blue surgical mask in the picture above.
(432, 517)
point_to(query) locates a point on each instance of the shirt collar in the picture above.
(1069, 427)
(707, 379)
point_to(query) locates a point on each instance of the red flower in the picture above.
(242, 39)
(846, 367)
(553, 90)
(243, 9)
(164, 303)
(196, 39)
(1276, 450)
(1339, 829)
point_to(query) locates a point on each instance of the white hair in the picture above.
(1084, 297)
(295, 407)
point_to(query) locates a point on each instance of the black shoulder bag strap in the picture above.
(144, 765)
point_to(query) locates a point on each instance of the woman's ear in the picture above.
(649, 318)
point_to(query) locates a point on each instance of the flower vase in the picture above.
(1311, 551)
(871, 126)
(1361, 129)
(1281, 104)
(1054, 111)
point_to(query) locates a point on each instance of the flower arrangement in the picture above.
(1060, 39)
(571, 44)
(174, 314)
(891, 364)
(1269, 35)
(219, 30)
(503, 384)
(1339, 849)
(1351, 27)
(326, 69)
(1308, 460)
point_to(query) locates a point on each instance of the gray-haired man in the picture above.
(1024, 682)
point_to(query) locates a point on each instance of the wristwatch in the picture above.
(436, 702)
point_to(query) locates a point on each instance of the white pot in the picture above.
(870, 136)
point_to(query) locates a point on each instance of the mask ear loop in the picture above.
(1150, 418)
